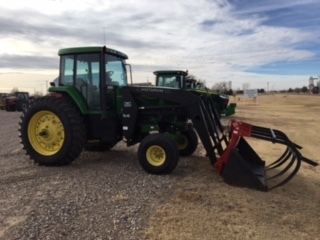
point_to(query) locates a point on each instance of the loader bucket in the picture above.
(245, 168)
(240, 165)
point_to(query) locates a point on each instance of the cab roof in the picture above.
(93, 49)
(170, 72)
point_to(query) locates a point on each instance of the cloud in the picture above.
(28, 62)
(210, 38)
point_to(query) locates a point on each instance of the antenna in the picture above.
(104, 36)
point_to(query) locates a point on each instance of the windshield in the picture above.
(116, 73)
(168, 81)
(23, 96)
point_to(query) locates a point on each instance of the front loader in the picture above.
(93, 105)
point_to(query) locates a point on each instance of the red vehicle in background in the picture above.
(19, 101)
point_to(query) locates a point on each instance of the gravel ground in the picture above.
(108, 195)
(100, 196)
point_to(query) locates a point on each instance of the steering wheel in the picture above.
(110, 73)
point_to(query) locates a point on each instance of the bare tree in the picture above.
(220, 87)
(191, 77)
(38, 93)
(304, 89)
(14, 89)
(200, 82)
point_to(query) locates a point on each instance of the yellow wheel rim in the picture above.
(182, 141)
(46, 133)
(156, 155)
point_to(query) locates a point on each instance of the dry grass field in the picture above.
(108, 195)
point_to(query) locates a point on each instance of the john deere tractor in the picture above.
(92, 104)
(179, 79)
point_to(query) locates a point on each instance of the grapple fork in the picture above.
(240, 164)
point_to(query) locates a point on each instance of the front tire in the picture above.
(187, 142)
(158, 154)
(52, 132)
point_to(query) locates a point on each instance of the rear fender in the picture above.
(74, 95)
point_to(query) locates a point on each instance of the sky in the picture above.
(268, 44)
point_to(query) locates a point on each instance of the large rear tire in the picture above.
(187, 142)
(158, 154)
(52, 132)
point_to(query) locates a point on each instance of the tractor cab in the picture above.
(176, 79)
(171, 78)
(93, 78)
(93, 70)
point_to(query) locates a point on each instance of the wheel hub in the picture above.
(182, 141)
(46, 133)
(156, 155)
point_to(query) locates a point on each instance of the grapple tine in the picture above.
(284, 170)
(284, 157)
(291, 175)
(310, 162)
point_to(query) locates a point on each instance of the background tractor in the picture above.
(94, 106)
(18, 101)
(179, 79)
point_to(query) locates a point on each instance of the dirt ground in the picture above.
(108, 196)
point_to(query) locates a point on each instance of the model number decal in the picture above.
(127, 104)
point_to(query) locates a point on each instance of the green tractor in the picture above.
(93, 104)
(179, 79)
